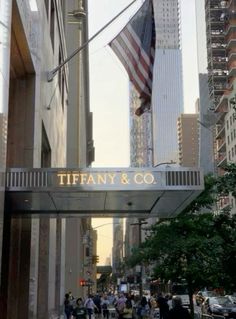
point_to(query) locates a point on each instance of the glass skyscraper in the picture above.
(167, 93)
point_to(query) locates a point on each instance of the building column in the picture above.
(43, 268)
(19, 269)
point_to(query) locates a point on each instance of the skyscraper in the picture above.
(188, 137)
(167, 95)
(220, 33)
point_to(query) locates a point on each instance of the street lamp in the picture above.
(139, 224)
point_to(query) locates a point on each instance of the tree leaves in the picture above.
(196, 246)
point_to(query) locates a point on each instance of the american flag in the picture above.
(135, 47)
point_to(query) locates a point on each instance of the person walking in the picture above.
(163, 306)
(67, 306)
(128, 310)
(79, 312)
(98, 309)
(90, 306)
(120, 305)
(143, 310)
(105, 306)
(178, 311)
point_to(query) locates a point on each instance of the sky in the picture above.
(109, 89)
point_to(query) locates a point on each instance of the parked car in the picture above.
(220, 305)
(232, 298)
(202, 295)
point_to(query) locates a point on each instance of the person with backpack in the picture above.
(105, 307)
(90, 306)
(120, 305)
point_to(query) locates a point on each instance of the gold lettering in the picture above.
(91, 179)
(112, 178)
(101, 179)
(83, 178)
(149, 178)
(124, 179)
(61, 178)
(68, 179)
(75, 178)
(138, 178)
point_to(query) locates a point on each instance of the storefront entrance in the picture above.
(123, 192)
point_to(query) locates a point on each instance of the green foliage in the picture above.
(198, 247)
(188, 248)
(206, 199)
(227, 183)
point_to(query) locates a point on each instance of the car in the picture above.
(220, 305)
(202, 294)
(232, 298)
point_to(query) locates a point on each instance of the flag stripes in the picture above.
(135, 47)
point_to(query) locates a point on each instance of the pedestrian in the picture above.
(169, 300)
(72, 299)
(105, 306)
(153, 305)
(79, 312)
(163, 306)
(128, 310)
(67, 306)
(178, 311)
(143, 310)
(120, 305)
(90, 306)
(98, 308)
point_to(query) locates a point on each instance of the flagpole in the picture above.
(51, 74)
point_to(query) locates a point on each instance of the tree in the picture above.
(186, 248)
(197, 247)
(225, 223)
(226, 184)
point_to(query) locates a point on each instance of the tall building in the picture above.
(221, 48)
(141, 149)
(153, 138)
(33, 278)
(188, 139)
(37, 252)
(207, 120)
(141, 155)
(207, 117)
(80, 150)
(167, 96)
(220, 33)
(117, 249)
